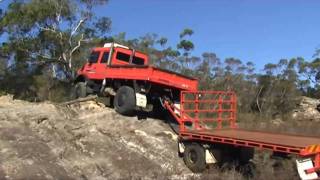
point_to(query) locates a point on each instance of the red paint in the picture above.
(220, 126)
(312, 151)
(124, 70)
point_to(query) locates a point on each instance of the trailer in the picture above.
(208, 133)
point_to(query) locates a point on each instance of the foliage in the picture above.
(51, 32)
(48, 40)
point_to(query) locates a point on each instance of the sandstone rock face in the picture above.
(83, 141)
(40, 141)
(307, 110)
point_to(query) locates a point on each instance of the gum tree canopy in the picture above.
(51, 33)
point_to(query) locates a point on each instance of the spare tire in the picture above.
(125, 101)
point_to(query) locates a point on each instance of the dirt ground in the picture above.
(89, 141)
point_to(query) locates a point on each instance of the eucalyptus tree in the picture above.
(185, 46)
(51, 32)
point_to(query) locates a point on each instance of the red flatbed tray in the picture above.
(277, 142)
(138, 72)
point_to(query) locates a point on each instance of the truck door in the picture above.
(102, 63)
(91, 66)
(97, 63)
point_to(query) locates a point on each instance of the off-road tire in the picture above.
(80, 90)
(125, 101)
(194, 157)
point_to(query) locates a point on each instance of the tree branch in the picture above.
(77, 27)
(257, 99)
(46, 28)
(74, 49)
(79, 44)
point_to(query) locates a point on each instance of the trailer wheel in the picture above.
(80, 90)
(245, 154)
(125, 101)
(194, 157)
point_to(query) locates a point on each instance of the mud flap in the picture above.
(181, 147)
(302, 166)
(210, 159)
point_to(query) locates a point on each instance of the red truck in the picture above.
(124, 75)
(208, 131)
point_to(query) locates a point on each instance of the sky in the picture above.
(261, 31)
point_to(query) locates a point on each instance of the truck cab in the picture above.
(111, 54)
(120, 55)
(116, 71)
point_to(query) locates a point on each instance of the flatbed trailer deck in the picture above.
(287, 143)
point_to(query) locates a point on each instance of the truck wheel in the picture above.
(194, 157)
(80, 90)
(125, 101)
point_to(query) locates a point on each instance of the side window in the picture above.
(123, 57)
(105, 57)
(138, 61)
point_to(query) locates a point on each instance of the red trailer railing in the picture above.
(208, 109)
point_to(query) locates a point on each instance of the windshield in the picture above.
(94, 57)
